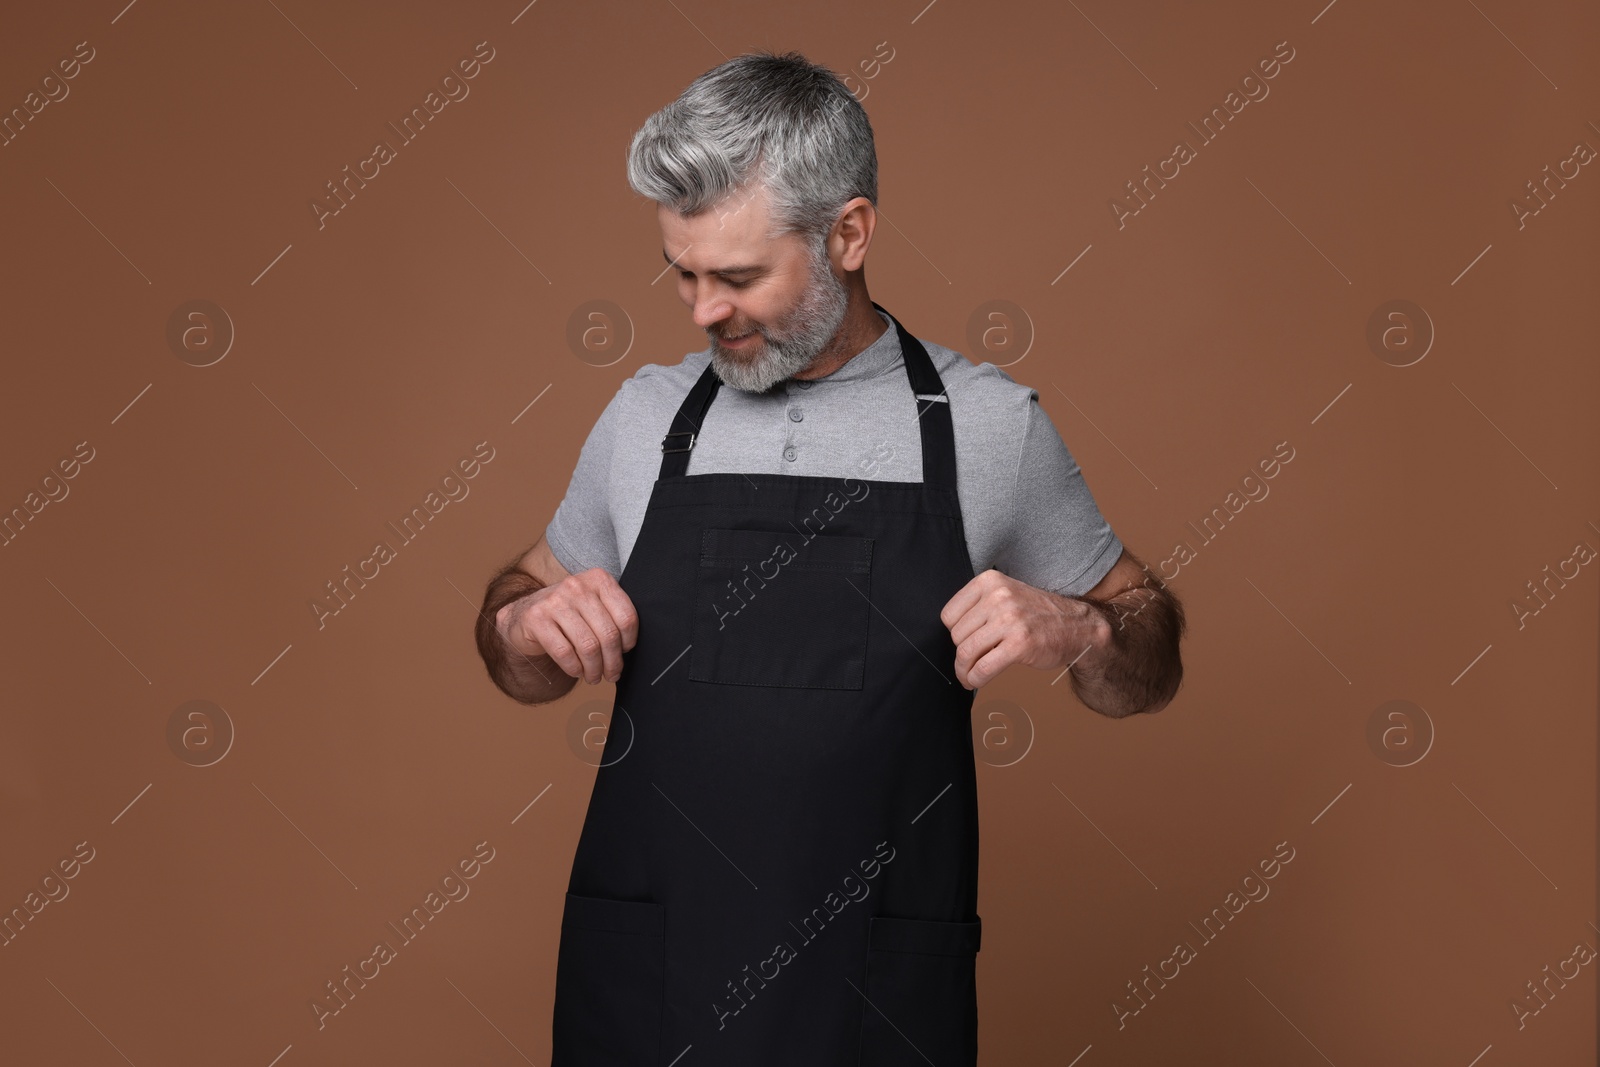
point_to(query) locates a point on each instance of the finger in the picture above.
(957, 605)
(970, 621)
(968, 595)
(585, 645)
(988, 653)
(598, 616)
(622, 612)
(541, 629)
(974, 648)
(989, 665)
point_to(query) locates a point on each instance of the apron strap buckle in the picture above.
(678, 433)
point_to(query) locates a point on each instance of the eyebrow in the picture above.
(722, 273)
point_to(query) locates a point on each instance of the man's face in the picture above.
(768, 307)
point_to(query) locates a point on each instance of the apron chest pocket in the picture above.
(921, 994)
(610, 983)
(774, 608)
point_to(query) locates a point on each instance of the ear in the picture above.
(852, 234)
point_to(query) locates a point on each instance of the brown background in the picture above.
(370, 355)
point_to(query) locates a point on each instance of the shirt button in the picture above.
(794, 415)
(789, 453)
(802, 383)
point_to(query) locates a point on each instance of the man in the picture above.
(797, 589)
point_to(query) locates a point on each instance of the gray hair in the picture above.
(777, 121)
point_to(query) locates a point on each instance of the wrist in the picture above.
(1090, 631)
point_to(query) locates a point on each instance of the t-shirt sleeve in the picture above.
(1056, 539)
(581, 534)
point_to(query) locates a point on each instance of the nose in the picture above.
(711, 309)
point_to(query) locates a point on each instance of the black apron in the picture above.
(779, 864)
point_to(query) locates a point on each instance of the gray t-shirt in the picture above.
(1025, 506)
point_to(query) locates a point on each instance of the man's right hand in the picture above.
(584, 622)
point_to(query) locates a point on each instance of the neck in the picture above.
(862, 326)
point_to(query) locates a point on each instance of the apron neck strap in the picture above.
(933, 415)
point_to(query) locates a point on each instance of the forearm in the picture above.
(1131, 664)
(526, 679)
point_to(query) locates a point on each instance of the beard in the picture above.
(783, 351)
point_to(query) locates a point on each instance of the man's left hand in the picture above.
(996, 621)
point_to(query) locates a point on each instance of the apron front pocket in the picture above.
(921, 992)
(776, 608)
(610, 984)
